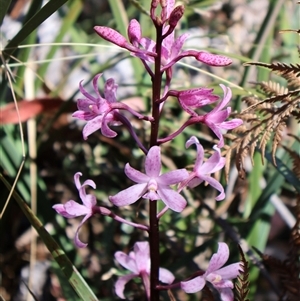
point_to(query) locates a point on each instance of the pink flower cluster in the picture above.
(101, 111)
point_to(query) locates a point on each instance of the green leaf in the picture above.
(4, 5)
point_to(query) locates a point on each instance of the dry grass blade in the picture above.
(9, 76)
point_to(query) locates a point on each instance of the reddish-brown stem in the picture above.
(154, 222)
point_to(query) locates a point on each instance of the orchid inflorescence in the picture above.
(101, 111)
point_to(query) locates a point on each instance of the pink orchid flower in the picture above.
(215, 119)
(72, 209)
(138, 262)
(194, 98)
(202, 170)
(96, 110)
(151, 185)
(219, 277)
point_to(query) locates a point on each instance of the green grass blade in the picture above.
(45, 12)
(4, 5)
(285, 171)
(68, 21)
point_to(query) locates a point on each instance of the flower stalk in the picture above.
(101, 111)
(153, 220)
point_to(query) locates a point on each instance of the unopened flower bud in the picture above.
(154, 4)
(134, 32)
(213, 59)
(111, 35)
(164, 10)
(176, 15)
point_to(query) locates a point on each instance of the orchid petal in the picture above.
(217, 131)
(135, 175)
(78, 242)
(227, 96)
(83, 115)
(120, 285)
(231, 271)
(217, 117)
(172, 199)
(86, 94)
(149, 45)
(166, 276)
(105, 129)
(219, 258)
(89, 182)
(142, 256)
(77, 180)
(213, 164)
(61, 210)
(195, 182)
(200, 151)
(194, 285)
(110, 90)
(74, 209)
(153, 162)
(127, 262)
(173, 177)
(89, 201)
(177, 45)
(129, 195)
(215, 184)
(92, 126)
(226, 294)
(95, 84)
(223, 283)
(169, 7)
(232, 124)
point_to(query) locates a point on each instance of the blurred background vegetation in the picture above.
(47, 48)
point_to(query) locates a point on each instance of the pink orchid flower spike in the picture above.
(151, 185)
(215, 119)
(202, 170)
(96, 110)
(72, 209)
(219, 277)
(138, 263)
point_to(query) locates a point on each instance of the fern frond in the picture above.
(271, 88)
(265, 120)
(295, 236)
(288, 274)
(279, 68)
(242, 287)
(296, 114)
(289, 269)
(277, 138)
(293, 80)
(276, 98)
